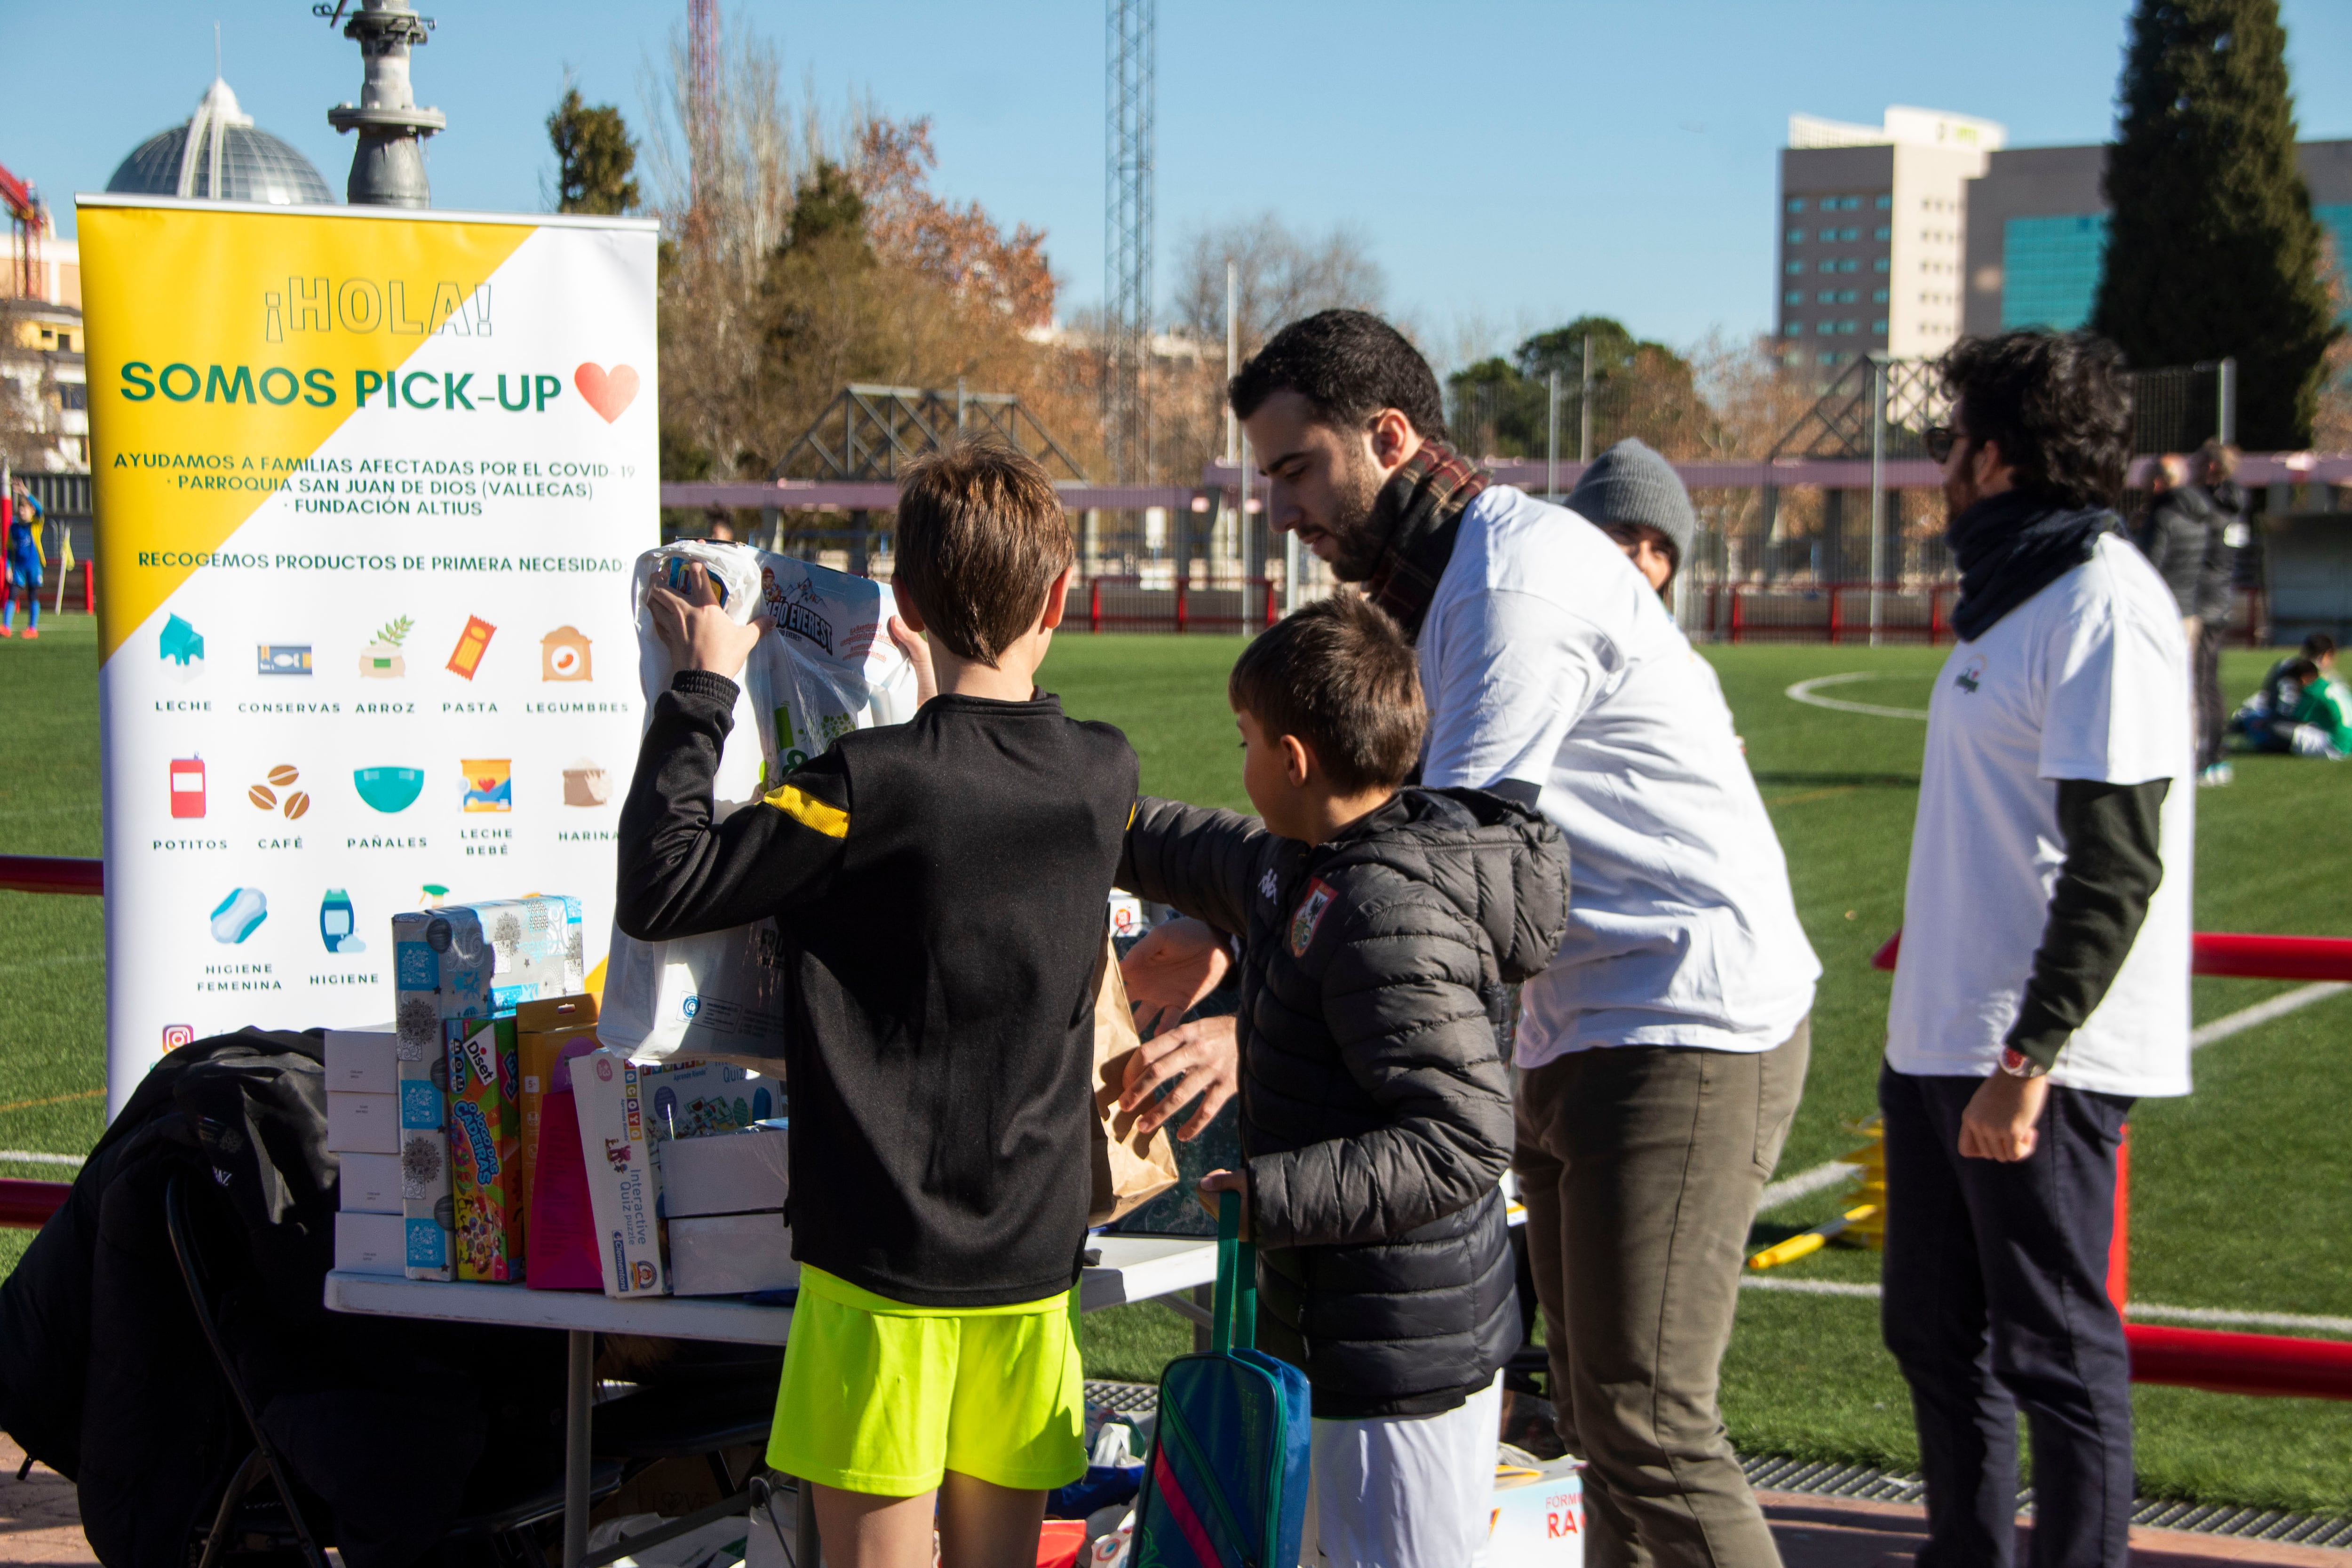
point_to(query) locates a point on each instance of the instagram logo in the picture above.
(177, 1035)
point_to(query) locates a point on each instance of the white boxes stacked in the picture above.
(363, 1132)
(725, 1194)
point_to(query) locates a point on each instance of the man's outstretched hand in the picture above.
(1177, 962)
(1203, 1054)
(698, 632)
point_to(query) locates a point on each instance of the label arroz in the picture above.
(484, 1127)
(623, 1181)
(428, 1204)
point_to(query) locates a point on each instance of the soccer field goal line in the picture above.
(1822, 1177)
(1809, 691)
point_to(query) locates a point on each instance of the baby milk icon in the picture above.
(187, 786)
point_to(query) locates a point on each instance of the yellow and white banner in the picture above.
(369, 487)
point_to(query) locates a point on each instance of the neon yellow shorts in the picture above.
(882, 1398)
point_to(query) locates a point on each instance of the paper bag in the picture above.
(1129, 1171)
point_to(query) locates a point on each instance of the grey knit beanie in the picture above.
(1631, 483)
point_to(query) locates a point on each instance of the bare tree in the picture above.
(1283, 275)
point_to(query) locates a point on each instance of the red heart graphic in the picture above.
(608, 392)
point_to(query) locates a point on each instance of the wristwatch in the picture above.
(2017, 1064)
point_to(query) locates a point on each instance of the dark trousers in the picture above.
(1996, 1301)
(1640, 1166)
(2212, 709)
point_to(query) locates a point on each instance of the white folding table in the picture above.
(1132, 1269)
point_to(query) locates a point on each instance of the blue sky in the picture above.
(1512, 164)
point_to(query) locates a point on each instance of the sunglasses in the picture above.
(1939, 440)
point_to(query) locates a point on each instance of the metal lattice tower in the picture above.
(1126, 238)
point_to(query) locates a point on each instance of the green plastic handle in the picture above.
(1233, 1321)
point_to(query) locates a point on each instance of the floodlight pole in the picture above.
(1552, 435)
(2229, 402)
(1584, 406)
(1877, 485)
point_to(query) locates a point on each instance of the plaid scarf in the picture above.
(1416, 517)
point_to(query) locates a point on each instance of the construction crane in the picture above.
(27, 219)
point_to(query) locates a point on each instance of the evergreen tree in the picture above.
(594, 157)
(2211, 247)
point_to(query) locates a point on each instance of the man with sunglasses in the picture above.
(2042, 984)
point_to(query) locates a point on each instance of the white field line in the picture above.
(1822, 1177)
(30, 1157)
(1808, 691)
(55, 961)
(2218, 1316)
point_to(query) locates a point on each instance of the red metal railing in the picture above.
(2275, 1366)
(51, 874)
(1125, 603)
(29, 1204)
(1839, 613)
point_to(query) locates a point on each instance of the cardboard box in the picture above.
(363, 1061)
(370, 1244)
(470, 961)
(728, 1253)
(741, 1172)
(624, 1182)
(698, 1098)
(1539, 1518)
(362, 1123)
(426, 1199)
(369, 1183)
(485, 1130)
(546, 1032)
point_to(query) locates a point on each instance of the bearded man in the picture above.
(1663, 1054)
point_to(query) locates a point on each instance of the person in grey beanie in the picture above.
(1634, 497)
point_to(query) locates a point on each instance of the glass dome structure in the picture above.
(220, 155)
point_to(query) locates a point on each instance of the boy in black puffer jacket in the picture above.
(1381, 931)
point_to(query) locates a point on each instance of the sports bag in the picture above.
(1226, 1487)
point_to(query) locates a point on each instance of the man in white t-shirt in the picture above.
(2042, 984)
(1662, 1053)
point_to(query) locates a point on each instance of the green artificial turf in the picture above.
(2237, 1191)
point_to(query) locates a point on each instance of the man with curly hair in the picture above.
(2044, 979)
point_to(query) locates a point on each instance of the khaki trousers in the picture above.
(1640, 1167)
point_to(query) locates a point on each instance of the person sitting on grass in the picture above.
(2321, 722)
(2266, 719)
(1383, 930)
(942, 888)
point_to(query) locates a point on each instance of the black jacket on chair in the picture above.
(1375, 976)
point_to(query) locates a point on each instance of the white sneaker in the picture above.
(2219, 774)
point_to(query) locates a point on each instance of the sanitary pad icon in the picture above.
(389, 789)
(238, 915)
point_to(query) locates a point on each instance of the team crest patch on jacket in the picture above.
(1319, 895)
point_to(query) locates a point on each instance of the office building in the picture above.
(1873, 231)
(2037, 232)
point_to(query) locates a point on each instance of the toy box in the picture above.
(368, 1183)
(545, 1032)
(485, 1129)
(361, 1061)
(729, 1253)
(696, 1098)
(362, 1123)
(369, 1244)
(1538, 1520)
(623, 1181)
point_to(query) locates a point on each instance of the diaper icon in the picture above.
(239, 915)
(389, 789)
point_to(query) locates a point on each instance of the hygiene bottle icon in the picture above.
(337, 922)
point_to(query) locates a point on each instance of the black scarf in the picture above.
(2011, 546)
(1415, 518)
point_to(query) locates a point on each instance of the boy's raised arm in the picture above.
(1423, 1046)
(1198, 859)
(681, 871)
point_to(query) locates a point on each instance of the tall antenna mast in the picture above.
(1127, 239)
(388, 165)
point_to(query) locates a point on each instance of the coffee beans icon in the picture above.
(296, 803)
(283, 774)
(263, 798)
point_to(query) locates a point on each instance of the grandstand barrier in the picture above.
(1126, 604)
(2274, 1366)
(1840, 613)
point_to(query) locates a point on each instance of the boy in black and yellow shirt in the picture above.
(942, 886)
